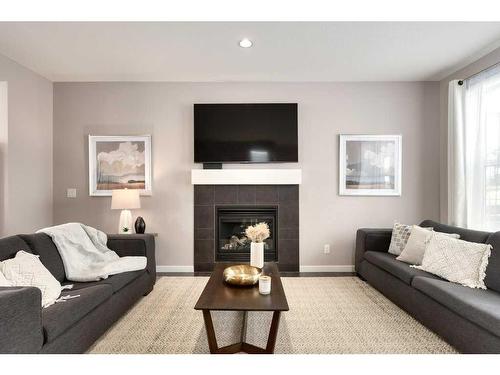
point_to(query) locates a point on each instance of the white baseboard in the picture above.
(346, 268)
(174, 269)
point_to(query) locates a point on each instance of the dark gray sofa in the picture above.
(468, 319)
(71, 326)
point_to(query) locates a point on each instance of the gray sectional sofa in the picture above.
(74, 325)
(468, 319)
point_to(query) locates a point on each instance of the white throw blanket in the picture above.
(85, 255)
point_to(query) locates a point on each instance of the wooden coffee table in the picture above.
(221, 296)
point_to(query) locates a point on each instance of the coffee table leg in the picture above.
(242, 345)
(273, 332)
(212, 340)
(244, 327)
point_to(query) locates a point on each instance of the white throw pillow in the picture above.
(27, 270)
(414, 250)
(455, 260)
(3, 280)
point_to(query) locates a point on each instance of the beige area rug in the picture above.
(327, 315)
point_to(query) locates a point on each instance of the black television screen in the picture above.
(245, 133)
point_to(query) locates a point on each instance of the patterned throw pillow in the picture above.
(25, 269)
(399, 238)
(456, 260)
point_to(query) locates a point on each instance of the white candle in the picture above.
(264, 284)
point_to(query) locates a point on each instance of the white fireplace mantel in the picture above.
(246, 176)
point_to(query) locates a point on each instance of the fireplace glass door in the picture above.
(231, 243)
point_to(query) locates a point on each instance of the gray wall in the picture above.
(26, 151)
(325, 110)
(486, 61)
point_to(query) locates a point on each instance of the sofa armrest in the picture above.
(20, 320)
(135, 245)
(371, 240)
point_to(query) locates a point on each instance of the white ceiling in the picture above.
(298, 51)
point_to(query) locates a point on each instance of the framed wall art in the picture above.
(370, 165)
(119, 162)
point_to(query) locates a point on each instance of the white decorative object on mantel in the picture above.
(257, 254)
(246, 176)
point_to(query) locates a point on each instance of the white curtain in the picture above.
(457, 199)
(474, 151)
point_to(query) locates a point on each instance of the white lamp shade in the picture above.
(125, 199)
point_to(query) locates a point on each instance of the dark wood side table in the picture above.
(220, 296)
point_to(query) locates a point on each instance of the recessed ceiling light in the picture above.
(245, 43)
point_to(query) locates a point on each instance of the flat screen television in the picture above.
(245, 133)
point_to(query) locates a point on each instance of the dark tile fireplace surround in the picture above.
(218, 209)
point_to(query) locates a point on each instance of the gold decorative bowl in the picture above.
(242, 275)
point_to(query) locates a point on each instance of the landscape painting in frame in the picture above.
(370, 165)
(119, 162)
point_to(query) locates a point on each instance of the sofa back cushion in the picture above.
(465, 234)
(42, 245)
(492, 279)
(9, 246)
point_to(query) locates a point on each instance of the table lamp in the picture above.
(125, 200)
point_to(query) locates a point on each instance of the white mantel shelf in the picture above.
(246, 176)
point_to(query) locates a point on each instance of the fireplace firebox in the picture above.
(231, 243)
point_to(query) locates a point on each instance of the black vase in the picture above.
(140, 225)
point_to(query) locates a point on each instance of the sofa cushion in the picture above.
(9, 246)
(56, 319)
(42, 245)
(395, 267)
(479, 306)
(116, 282)
(465, 234)
(492, 279)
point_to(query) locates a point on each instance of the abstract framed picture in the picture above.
(370, 165)
(119, 162)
